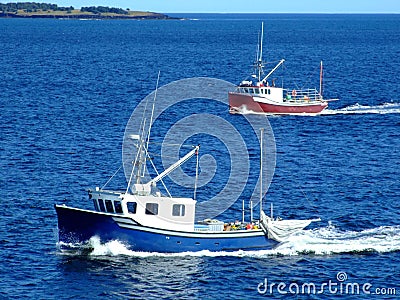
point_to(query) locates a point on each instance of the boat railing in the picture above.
(301, 95)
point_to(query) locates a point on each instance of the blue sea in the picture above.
(69, 87)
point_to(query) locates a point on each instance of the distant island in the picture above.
(46, 10)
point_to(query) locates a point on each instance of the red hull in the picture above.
(237, 101)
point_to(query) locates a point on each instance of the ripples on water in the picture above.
(197, 274)
(69, 87)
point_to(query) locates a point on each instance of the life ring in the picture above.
(294, 93)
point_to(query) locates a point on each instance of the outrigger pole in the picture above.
(273, 70)
(174, 166)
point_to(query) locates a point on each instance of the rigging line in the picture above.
(169, 145)
(152, 110)
(153, 154)
(175, 145)
(308, 80)
(142, 145)
(142, 123)
(304, 194)
(137, 159)
(151, 119)
(115, 173)
(308, 200)
(209, 153)
(272, 62)
(154, 167)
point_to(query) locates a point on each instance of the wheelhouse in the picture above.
(153, 210)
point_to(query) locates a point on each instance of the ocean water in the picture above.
(68, 89)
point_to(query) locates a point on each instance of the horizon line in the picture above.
(297, 13)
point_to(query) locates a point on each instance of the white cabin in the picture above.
(147, 209)
(268, 92)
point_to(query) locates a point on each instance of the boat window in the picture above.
(178, 210)
(118, 207)
(246, 90)
(131, 207)
(151, 208)
(101, 205)
(269, 92)
(257, 91)
(96, 205)
(109, 206)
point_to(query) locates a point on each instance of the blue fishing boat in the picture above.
(144, 219)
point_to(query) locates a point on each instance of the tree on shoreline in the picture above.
(30, 7)
(104, 9)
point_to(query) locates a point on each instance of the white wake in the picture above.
(385, 108)
(322, 241)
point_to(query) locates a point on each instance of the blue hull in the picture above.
(78, 226)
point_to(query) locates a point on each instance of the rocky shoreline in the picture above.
(50, 15)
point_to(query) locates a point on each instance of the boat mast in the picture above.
(197, 175)
(321, 73)
(143, 143)
(259, 62)
(251, 211)
(152, 111)
(151, 122)
(141, 153)
(242, 211)
(261, 170)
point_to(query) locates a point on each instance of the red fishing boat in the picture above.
(260, 94)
